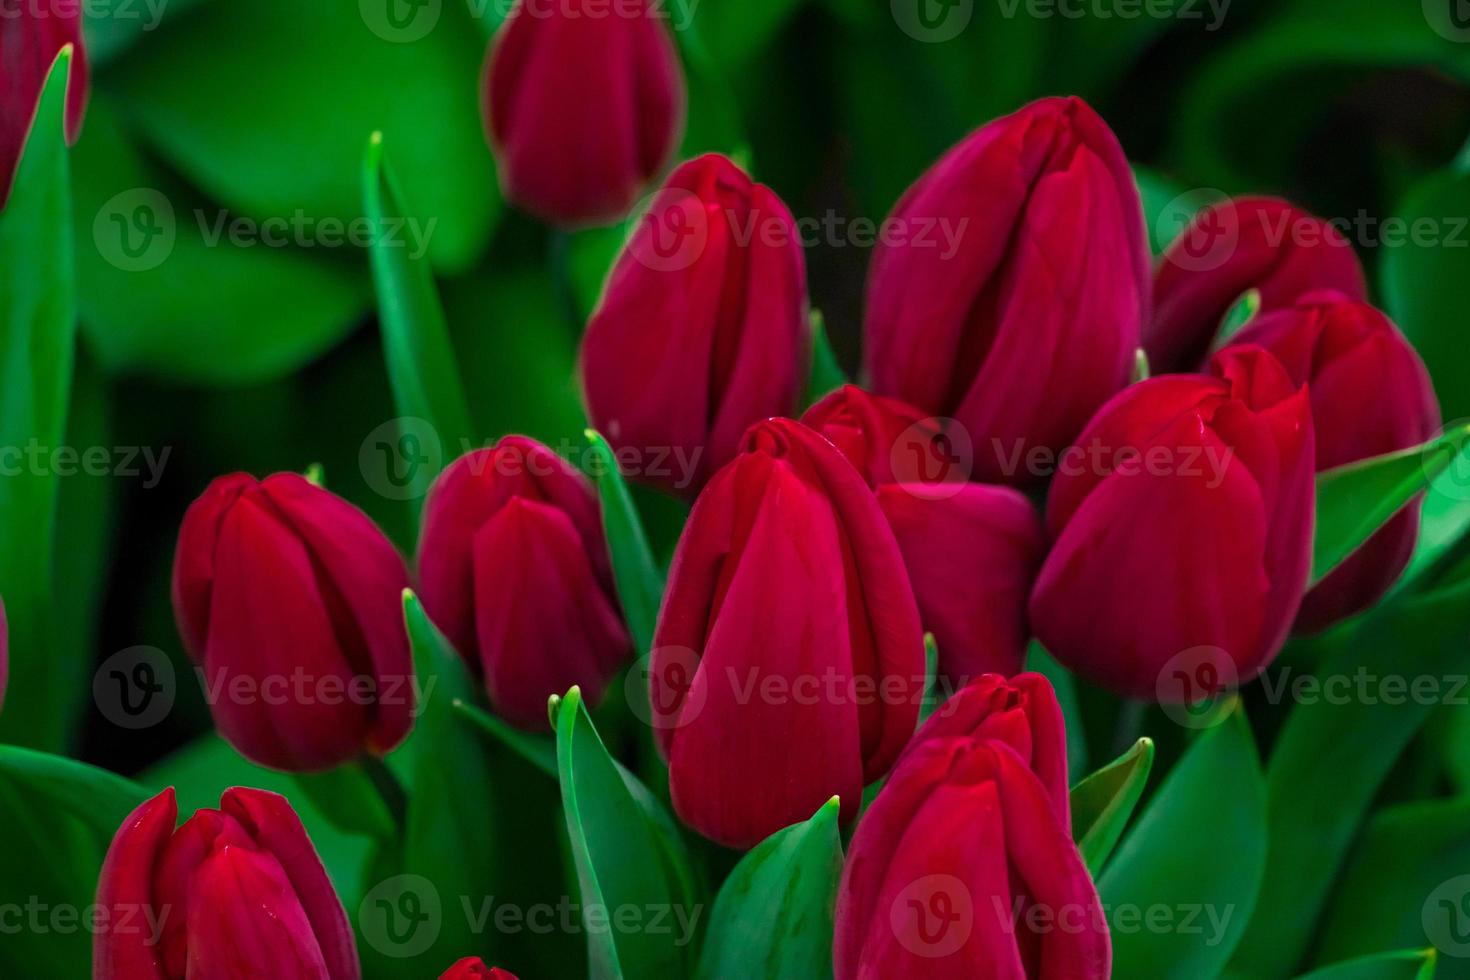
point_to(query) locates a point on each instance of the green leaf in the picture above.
(1240, 313)
(1409, 965)
(99, 798)
(1333, 754)
(627, 852)
(1043, 663)
(773, 915)
(934, 693)
(1354, 501)
(737, 32)
(639, 580)
(1103, 802)
(1142, 371)
(1165, 207)
(535, 749)
(1409, 878)
(1199, 850)
(350, 798)
(37, 340)
(421, 362)
(826, 375)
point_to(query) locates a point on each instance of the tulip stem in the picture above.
(389, 788)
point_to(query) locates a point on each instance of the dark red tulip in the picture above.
(1183, 531)
(702, 329)
(960, 869)
(31, 36)
(584, 104)
(1230, 248)
(235, 892)
(513, 567)
(972, 551)
(1371, 395)
(788, 664)
(1030, 320)
(1023, 713)
(289, 599)
(472, 967)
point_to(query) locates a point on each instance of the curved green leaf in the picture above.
(773, 916)
(639, 580)
(535, 749)
(1408, 965)
(1103, 802)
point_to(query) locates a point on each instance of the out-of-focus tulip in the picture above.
(31, 36)
(702, 328)
(1030, 320)
(1023, 713)
(290, 601)
(788, 664)
(1371, 395)
(472, 967)
(972, 550)
(1182, 529)
(1230, 248)
(960, 869)
(583, 106)
(513, 567)
(234, 892)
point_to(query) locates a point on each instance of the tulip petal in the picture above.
(193, 572)
(125, 886)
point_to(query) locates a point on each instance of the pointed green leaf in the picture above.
(1408, 965)
(934, 694)
(773, 916)
(1241, 313)
(535, 749)
(37, 341)
(627, 853)
(826, 374)
(100, 798)
(1199, 849)
(1142, 371)
(640, 582)
(1354, 501)
(1103, 802)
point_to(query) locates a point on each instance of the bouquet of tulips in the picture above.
(1086, 595)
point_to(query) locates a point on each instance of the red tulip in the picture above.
(583, 106)
(513, 567)
(1033, 321)
(471, 967)
(234, 892)
(31, 37)
(1188, 533)
(702, 329)
(960, 869)
(788, 664)
(289, 599)
(1371, 395)
(1229, 249)
(1021, 712)
(972, 551)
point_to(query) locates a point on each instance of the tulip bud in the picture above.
(289, 599)
(1021, 712)
(702, 327)
(234, 892)
(472, 967)
(582, 108)
(960, 868)
(1030, 321)
(1230, 248)
(513, 567)
(972, 551)
(1341, 349)
(31, 36)
(788, 665)
(1187, 531)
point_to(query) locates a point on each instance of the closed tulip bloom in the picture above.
(972, 550)
(471, 968)
(1183, 528)
(702, 328)
(513, 567)
(1342, 349)
(583, 106)
(289, 599)
(31, 36)
(1230, 248)
(788, 663)
(1030, 320)
(960, 869)
(234, 893)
